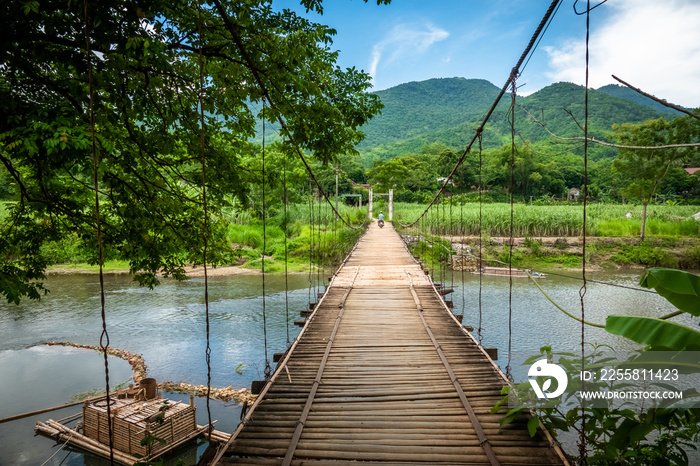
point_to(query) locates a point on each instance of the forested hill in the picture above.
(448, 110)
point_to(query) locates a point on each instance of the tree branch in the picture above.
(608, 144)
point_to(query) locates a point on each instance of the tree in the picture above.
(644, 169)
(144, 63)
(386, 175)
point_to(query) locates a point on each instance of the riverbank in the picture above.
(121, 267)
(566, 253)
(540, 252)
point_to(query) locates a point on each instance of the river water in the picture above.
(166, 325)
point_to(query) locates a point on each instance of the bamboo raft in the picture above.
(132, 421)
(382, 372)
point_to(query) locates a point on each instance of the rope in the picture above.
(534, 280)
(325, 249)
(549, 23)
(286, 269)
(655, 99)
(268, 369)
(588, 8)
(597, 281)
(207, 351)
(319, 254)
(431, 222)
(462, 231)
(452, 269)
(311, 238)
(59, 450)
(582, 292)
(104, 336)
(510, 246)
(443, 230)
(481, 234)
(513, 75)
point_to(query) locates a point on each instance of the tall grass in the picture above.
(559, 220)
(314, 237)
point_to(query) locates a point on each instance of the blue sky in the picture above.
(652, 44)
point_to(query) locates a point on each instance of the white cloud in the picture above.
(405, 42)
(652, 44)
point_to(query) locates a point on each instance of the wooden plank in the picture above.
(372, 379)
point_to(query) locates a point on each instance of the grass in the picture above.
(331, 240)
(110, 266)
(558, 220)
(328, 242)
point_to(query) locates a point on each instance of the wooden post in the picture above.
(391, 205)
(370, 203)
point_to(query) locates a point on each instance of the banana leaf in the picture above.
(682, 289)
(654, 332)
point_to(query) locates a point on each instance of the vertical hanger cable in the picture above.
(104, 336)
(511, 240)
(205, 232)
(268, 369)
(582, 291)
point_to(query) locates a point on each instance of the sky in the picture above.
(652, 44)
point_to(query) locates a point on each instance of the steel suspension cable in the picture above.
(513, 75)
(104, 336)
(202, 154)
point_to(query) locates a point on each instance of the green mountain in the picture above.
(448, 110)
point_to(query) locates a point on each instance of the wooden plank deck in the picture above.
(383, 374)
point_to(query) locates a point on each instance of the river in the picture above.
(166, 325)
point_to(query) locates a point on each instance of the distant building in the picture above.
(357, 185)
(441, 180)
(573, 194)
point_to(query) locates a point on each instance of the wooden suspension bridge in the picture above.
(382, 373)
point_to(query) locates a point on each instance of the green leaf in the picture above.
(682, 289)
(655, 332)
(532, 425)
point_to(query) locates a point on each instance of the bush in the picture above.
(645, 254)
